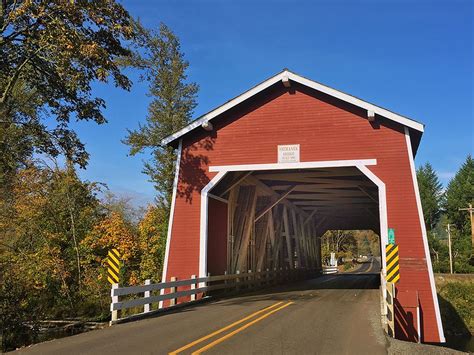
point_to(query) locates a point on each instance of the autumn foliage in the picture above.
(55, 236)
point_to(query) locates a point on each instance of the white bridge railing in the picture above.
(194, 289)
(330, 270)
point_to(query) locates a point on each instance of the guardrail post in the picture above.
(237, 281)
(250, 279)
(173, 301)
(193, 287)
(146, 307)
(225, 282)
(390, 309)
(115, 299)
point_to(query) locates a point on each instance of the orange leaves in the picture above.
(113, 232)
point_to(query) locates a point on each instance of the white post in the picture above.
(115, 300)
(450, 253)
(146, 307)
(173, 301)
(193, 287)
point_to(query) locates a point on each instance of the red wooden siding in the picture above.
(217, 238)
(326, 129)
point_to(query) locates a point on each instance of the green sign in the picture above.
(391, 236)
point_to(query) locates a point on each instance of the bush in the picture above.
(456, 300)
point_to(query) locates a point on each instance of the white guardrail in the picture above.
(329, 270)
(195, 288)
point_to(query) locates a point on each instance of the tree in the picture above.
(40, 263)
(459, 193)
(431, 194)
(152, 242)
(50, 54)
(173, 101)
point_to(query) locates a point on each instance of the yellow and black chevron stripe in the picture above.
(113, 271)
(391, 258)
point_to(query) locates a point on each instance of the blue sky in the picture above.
(413, 58)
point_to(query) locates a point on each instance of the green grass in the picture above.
(456, 299)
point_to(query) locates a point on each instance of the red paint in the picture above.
(217, 238)
(326, 129)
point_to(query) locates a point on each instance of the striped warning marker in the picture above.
(113, 271)
(391, 258)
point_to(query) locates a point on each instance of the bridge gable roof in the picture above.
(286, 77)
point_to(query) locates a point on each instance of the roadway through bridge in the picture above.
(332, 314)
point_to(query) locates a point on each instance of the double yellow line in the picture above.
(266, 312)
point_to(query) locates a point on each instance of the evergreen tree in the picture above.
(431, 194)
(173, 101)
(459, 193)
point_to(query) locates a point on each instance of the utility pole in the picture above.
(449, 247)
(470, 209)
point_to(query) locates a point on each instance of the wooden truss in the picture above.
(275, 220)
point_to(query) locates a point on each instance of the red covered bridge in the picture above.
(261, 178)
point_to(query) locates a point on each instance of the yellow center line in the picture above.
(223, 329)
(238, 330)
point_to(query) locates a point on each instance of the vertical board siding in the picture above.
(326, 130)
(217, 238)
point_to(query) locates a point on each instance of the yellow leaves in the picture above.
(113, 232)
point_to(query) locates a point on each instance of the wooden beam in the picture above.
(217, 198)
(286, 228)
(364, 190)
(325, 181)
(325, 195)
(254, 181)
(310, 216)
(357, 203)
(239, 180)
(297, 235)
(273, 204)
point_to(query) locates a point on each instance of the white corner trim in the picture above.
(286, 166)
(170, 222)
(303, 81)
(204, 222)
(425, 237)
(360, 164)
(382, 207)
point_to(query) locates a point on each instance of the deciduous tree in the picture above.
(50, 54)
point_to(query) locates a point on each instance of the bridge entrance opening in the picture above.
(277, 219)
(351, 251)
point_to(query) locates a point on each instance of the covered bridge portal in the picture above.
(261, 178)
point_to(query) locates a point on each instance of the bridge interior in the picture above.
(275, 218)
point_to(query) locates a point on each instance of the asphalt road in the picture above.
(372, 265)
(332, 314)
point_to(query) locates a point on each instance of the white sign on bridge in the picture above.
(289, 153)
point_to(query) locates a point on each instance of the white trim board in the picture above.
(222, 171)
(170, 222)
(425, 238)
(204, 222)
(284, 75)
(287, 166)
